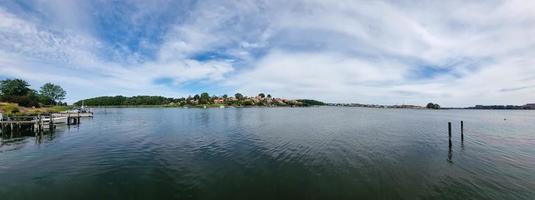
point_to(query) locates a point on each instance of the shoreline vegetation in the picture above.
(15, 109)
(203, 100)
(260, 100)
(17, 98)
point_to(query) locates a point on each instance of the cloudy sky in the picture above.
(455, 53)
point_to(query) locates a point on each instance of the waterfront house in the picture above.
(219, 101)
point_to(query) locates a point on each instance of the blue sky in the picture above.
(454, 53)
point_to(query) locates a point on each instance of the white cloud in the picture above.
(42, 55)
(489, 44)
(318, 74)
(455, 53)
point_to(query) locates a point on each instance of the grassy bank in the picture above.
(15, 109)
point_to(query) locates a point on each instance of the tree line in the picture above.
(203, 99)
(19, 91)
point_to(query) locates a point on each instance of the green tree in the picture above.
(17, 91)
(432, 106)
(14, 87)
(310, 102)
(269, 96)
(205, 98)
(248, 102)
(238, 96)
(52, 92)
(262, 95)
(225, 96)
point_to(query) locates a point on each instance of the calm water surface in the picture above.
(275, 153)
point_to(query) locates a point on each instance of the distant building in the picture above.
(219, 101)
(530, 106)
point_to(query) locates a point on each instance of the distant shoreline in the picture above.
(204, 100)
(477, 107)
(199, 100)
(313, 106)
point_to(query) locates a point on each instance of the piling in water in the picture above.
(462, 131)
(449, 133)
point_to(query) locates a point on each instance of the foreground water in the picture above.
(275, 153)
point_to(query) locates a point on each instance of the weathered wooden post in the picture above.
(462, 131)
(40, 124)
(33, 124)
(449, 133)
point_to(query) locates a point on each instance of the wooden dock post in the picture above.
(449, 133)
(40, 123)
(462, 131)
(33, 125)
(51, 123)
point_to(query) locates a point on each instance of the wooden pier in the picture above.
(38, 123)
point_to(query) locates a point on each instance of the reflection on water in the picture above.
(275, 153)
(10, 141)
(449, 155)
(13, 140)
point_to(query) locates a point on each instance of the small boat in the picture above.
(82, 112)
(82, 109)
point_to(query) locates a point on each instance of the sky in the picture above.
(454, 53)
